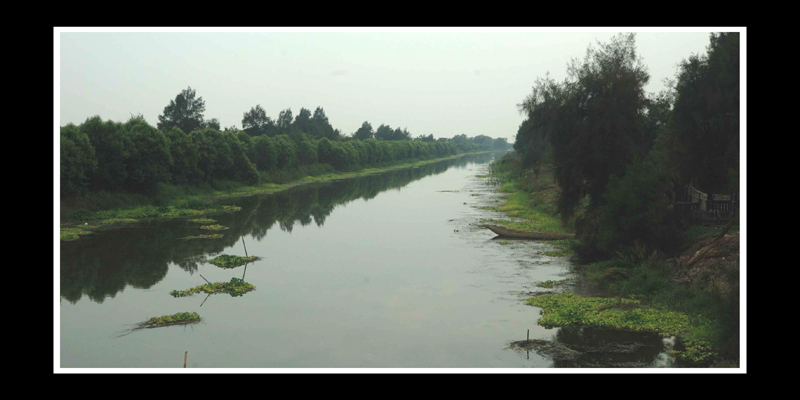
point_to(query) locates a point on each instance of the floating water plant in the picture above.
(696, 353)
(569, 309)
(111, 221)
(181, 318)
(214, 236)
(203, 220)
(236, 287)
(228, 261)
(214, 227)
(174, 319)
(72, 233)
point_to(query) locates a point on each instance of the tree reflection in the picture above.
(103, 264)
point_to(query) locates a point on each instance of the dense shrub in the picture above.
(78, 160)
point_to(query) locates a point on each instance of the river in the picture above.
(388, 271)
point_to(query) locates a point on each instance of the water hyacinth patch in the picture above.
(174, 319)
(569, 309)
(228, 261)
(205, 221)
(214, 236)
(214, 227)
(236, 287)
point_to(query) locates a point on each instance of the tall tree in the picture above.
(256, 122)
(285, 120)
(384, 132)
(707, 115)
(185, 112)
(364, 132)
(303, 121)
(593, 120)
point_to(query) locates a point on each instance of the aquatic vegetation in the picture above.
(214, 227)
(569, 309)
(111, 221)
(203, 220)
(214, 236)
(228, 261)
(236, 287)
(564, 248)
(696, 353)
(548, 284)
(174, 319)
(73, 233)
(181, 318)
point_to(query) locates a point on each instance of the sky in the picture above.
(438, 81)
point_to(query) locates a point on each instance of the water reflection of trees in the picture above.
(101, 265)
(606, 348)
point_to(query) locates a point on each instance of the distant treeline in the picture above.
(185, 149)
(622, 157)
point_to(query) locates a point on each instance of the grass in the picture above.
(529, 200)
(228, 261)
(236, 287)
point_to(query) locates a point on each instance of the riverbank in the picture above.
(692, 296)
(82, 216)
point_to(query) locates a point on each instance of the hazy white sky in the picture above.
(445, 83)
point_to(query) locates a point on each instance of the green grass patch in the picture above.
(236, 287)
(569, 309)
(228, 261)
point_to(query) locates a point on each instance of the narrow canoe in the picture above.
(528, 235)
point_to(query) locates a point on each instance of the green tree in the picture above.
(592, 120)
(303, 121)
(77, 161)
(212, 123)
(264, 153)
(707, 115)
(322, 127)
(111, 152)
(150, 159)
(384, 132)
(185, 112)
(285, 120)
(307, 152)
(256, 122)
(364, 132)
(185, 156)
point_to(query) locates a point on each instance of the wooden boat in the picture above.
(528, 235)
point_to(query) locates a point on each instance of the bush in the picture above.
(78, 161)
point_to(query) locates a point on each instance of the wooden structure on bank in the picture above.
(700, 209)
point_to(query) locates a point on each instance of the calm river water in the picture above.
(387, 270)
